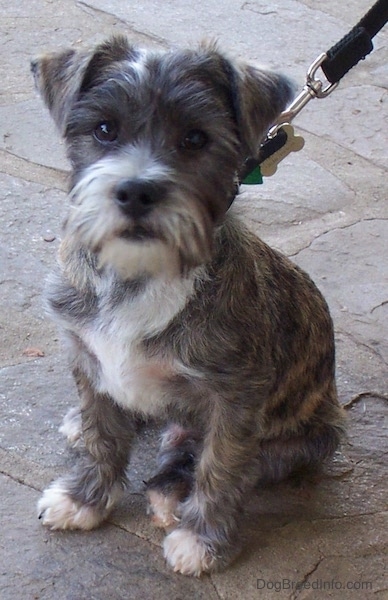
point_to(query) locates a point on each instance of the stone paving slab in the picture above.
(326, 207)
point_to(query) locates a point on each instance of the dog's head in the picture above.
(156, 141)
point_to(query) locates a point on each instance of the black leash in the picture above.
(356, 45)
(335, 63)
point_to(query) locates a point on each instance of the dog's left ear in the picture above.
(259, 98)
(61, 77)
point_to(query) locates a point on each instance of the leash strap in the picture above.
(356, 45)
(335, 63)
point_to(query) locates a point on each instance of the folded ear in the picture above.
(261, 97)
(62, 77)
(58, 78)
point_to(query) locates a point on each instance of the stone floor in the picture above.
(326, 208)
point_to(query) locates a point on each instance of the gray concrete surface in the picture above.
(326, 207)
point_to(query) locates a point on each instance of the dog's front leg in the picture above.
(207, 539)
(84, 498)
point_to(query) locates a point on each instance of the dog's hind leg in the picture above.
(297, 456)
(174, 478)
(84, 498)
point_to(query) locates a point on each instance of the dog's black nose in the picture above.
(136, 198)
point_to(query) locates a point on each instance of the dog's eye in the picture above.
(195, 139)
(106, 131)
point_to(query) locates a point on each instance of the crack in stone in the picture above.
(215, 588)
(363, 395)
(251, 7)
(16, 166)
(82, 5)
(24, 471)
(301, 583)
(360, 344)
(330, 230)
(143, 538)
(18, 480)
(345, 517)
(379, 306)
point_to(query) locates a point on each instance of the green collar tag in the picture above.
(254, 177)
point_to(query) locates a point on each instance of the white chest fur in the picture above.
(132, 379)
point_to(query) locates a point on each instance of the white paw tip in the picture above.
(186, 553)
(57, 510)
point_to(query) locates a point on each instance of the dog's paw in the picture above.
(163, 509)
(57, 510)
(186, 553)
(71, 427)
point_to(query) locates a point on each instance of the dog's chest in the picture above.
(125, 373)
(115, 337)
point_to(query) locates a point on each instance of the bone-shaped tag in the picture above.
(294, 143)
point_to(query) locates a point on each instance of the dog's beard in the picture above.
(173, 238)
(129, 259)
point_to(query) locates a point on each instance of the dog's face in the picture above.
(156, 142)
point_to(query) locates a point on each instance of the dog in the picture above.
(169, 306)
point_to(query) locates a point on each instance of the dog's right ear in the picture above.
(58, 78)
(62, 77)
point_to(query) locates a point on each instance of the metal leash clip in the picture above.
(281, 139)
(313, 88)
